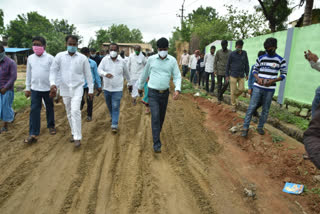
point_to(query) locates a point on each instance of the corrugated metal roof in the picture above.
(15, 50)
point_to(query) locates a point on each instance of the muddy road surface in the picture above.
(195, 173)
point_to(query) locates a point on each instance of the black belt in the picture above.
(159, 91)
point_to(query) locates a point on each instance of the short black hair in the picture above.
(1, 48)
(92, 50)
(84, 50)
(72, 37)
(270, 43)
(40, 39)
(239, 42)
(115, 45)
(224, 42)
(261, 53)
(162, 43)
(213, 47)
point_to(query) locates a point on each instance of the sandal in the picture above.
(3, 129)
(30, 140)
(52, 131)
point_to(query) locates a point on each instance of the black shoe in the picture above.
(157, 150)
(71, 139)
(261, 131)
(244, 133)
(114, 130)
(77, 143)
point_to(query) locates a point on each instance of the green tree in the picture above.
(202, 14)
(2, 28)
(55, 42)
(153, 43)
(276, 12)
(245, 25)
(136, 36)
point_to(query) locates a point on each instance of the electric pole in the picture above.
(182, 12)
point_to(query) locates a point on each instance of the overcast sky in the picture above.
(154, 18)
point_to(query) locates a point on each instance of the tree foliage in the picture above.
(26, 26)
(116, 33)
(245, 25)
(2, 28)
(276, 12)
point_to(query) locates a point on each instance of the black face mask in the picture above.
(271, 52)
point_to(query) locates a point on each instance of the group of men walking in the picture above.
(75, 76)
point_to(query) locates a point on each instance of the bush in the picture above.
(20, 101)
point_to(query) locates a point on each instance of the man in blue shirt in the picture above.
(159, 69)
(96, 81)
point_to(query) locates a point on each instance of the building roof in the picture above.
(143, 45)
(15, 50)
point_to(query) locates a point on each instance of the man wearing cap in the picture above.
(159, 69)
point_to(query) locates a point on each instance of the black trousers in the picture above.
(158, 106)
(89, 102)
(207, 75)
(201, 77)
(222, 87)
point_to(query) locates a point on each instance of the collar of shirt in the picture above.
(75, 54)
(158, 57)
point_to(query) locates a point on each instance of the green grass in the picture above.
(283, 115)
(276, 138)
(20, 101)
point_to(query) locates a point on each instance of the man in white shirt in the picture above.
(113, 69)
(38, 87)
(136, 63)
(315, 64)
(193, 66)
(74, 69)
(184, 62)
(209, 61)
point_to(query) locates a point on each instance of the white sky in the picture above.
(154, 18)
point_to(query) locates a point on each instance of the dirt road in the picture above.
(195, 173)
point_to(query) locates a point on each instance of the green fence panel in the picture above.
(302, 80)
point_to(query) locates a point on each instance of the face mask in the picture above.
(38, 50)
(163, 54)
(93, 55)
(72, 49)
(271, 52)
(113, 54)
(239, 49)
(137, 52)
(2, 55)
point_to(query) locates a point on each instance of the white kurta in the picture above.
(38, 71)
(136, 64)
(118, 69)
(73, 71)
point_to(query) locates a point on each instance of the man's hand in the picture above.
(247, 78)
(3, 90)
(90, 96)
(53, 91)
(227, 79)
(109, 76)
(260, 81)
(268, 83)
(99, 90)
(176, 95)
(215, 73)
(249, 91)
(140, 91)
(27, 94)
(311, 56)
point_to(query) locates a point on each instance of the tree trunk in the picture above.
(308, 13)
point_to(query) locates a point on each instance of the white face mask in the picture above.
(163, 54)
(113, 54)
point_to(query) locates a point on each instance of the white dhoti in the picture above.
(135, 84)
(72, 105)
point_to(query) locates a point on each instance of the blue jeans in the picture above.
(259, 96)
(6, 111)
(113, 100)
(36, 105)
(316, 101)
(158, 106)
(193, 76)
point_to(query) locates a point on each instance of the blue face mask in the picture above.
(72, 49)
(2, 55)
